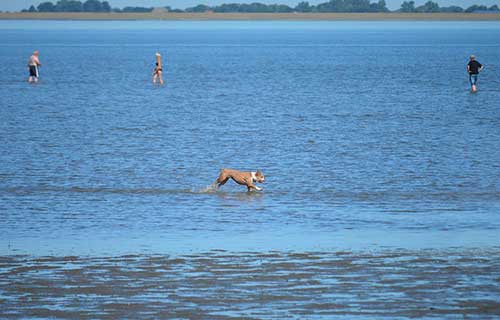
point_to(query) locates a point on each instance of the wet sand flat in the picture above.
(250, 285)
(253, 16)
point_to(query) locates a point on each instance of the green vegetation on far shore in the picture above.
(354, 6)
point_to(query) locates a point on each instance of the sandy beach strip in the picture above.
(254, 16)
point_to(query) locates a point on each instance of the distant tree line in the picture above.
(338, 6)
(304, 6)
(133, 9)
(71, 6)
(430, 6)
(256, 7)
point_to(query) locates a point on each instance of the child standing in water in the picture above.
(157, 72)
(33, 65)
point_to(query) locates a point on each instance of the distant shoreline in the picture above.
(254, 16)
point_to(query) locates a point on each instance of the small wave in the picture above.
(325, 193)
(30, 190)
(128, 191)
(210, 189)
(42, 189)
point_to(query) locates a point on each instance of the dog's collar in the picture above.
(254, 178)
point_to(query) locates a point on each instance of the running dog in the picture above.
(240, 177)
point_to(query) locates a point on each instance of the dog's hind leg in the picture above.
(222, 179)
(222, 182)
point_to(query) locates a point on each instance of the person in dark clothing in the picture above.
(473, 68)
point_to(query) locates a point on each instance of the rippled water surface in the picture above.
(366, 131)
(274, 285)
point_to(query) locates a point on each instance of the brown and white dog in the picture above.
(240, 177)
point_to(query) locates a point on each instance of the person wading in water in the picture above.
(33, 65)
(473, 68)
(157, 72)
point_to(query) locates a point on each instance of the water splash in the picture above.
(212, 188)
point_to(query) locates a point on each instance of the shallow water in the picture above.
(360, 127)
(367, 133)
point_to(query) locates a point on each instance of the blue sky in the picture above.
(16, 5)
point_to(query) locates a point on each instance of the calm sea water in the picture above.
(366, 131)
(382, 197)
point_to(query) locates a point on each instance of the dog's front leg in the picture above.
(251, 186)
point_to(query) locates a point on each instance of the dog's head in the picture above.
(259, 177)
